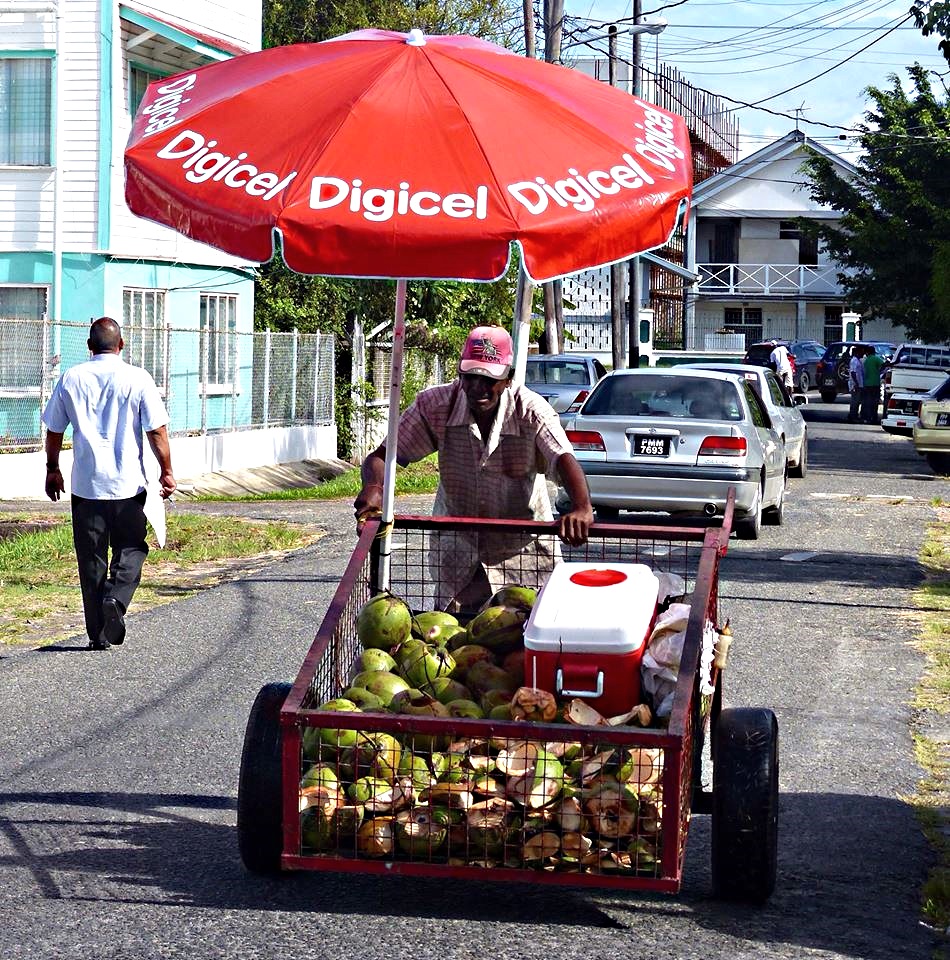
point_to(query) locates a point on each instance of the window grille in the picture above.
(219, 338)
(25, 95)
(21, 339)
(145, 332)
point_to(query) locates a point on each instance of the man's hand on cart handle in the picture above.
(368, 504)
(574, 526)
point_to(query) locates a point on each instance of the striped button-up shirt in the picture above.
(501, 478)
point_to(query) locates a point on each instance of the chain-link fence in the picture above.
(212, 380)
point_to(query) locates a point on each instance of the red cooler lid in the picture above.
(598, 578)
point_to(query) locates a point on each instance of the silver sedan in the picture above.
(675, 440)
(782, 408)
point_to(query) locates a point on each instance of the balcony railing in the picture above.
(767, 279)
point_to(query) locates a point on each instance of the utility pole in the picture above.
(633, 306)
(616, 270)
(530, 49)
(553, 27)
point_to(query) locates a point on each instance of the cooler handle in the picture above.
(596, 692)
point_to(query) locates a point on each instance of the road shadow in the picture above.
(849, 869)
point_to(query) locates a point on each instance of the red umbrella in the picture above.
(381, 154)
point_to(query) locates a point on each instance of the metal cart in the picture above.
(458, 821)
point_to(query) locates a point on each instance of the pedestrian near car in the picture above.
(872, 385)
(856, 383)
(109, 405)
(496, 443)
(783, 365)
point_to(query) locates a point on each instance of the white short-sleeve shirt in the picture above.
(109, 403)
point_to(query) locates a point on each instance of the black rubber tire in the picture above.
(828, 396)
(607, 514)
(801, 468)
(259, 800)
(939, 463)
(745, 805)
(804, 382)
(749, 528)
(775, 516)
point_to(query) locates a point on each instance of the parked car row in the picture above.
(675, 440)
(804, 355)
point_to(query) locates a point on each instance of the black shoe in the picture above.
(99, 644)
(113, 623)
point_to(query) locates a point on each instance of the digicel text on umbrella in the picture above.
(581, 191)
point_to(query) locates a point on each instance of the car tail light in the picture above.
(577, 401)
(588, 440)
(819, 367)
(886, 376)
(723, 447)
(893, 404)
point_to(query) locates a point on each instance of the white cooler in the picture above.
(587, 632)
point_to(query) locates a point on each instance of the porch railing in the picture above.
(765, 279)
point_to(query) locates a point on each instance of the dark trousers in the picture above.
(870, 398)
(98, 526)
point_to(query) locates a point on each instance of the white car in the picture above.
(782, 408)
(902, 410)
(676, 440)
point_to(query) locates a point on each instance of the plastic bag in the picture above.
(659, 667)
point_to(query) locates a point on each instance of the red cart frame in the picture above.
(693, 553)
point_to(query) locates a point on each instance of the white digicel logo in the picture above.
(162, 111)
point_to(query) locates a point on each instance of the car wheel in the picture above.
(829, 395)
(804, 382)
(749, 527)
(939, 463)
(775, 516)
(842, 371)
(801, 468)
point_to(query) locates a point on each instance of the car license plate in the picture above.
(647, 446)
(943, 419)
(829, 381)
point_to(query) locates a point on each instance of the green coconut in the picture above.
(500, 629)
(512, 595)
(383, 622)
(431, 626)
(313, 737)
(374, 659)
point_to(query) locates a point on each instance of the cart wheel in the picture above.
(745, 805)
(260, 835)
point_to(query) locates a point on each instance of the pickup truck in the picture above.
(915, 368)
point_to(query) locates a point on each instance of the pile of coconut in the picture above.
(498, 801)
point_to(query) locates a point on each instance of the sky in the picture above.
(754, 50)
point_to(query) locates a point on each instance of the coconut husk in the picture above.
(480, 760)
(570, 815)
(641, 715)
(564, 749)
(487, 786)
(320, 796)
(517, 758)
(541, 847)
(644, 766)
(530, 703)
(650, 819)
(453, 795)
(375, 837)
(582, 714)
(576, 845)
(612, 810)
(595, 765)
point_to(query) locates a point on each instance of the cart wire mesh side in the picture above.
(496, 799)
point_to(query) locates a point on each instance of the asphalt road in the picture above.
(118, 771)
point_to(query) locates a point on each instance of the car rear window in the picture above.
(650, 395)
(929, 356)
(569, 373)
(758, 355)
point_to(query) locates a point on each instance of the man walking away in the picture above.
(872, 385)
(783, 365)
(856, 383)
(109, 404)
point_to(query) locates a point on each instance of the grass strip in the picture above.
(417, 478)
(40, 601)
(932, 696)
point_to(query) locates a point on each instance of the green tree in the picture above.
(934, 18)
(894, 233)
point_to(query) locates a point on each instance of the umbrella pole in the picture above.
(524, 295)
(392, 436)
